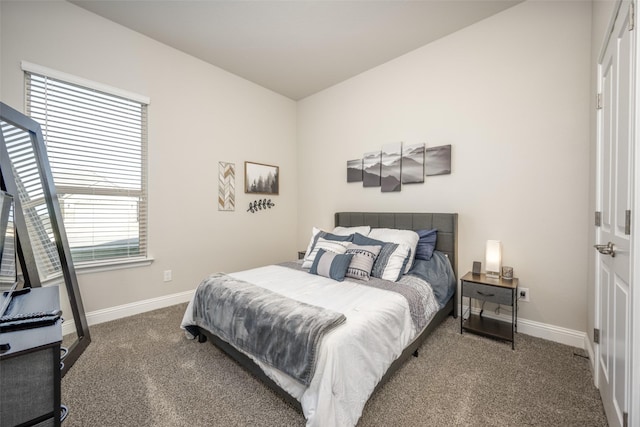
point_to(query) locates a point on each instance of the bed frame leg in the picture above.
(202, 337)
(415, 353)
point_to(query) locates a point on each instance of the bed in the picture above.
(372, 329)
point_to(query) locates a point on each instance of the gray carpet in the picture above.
(142, 371)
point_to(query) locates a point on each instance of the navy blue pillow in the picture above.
(330, 264)
(426, 244)
(330, 236)
(327, 236)
(359, 239)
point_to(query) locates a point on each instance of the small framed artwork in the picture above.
(226, 186)
(354, 170)
(438, 160)
(261, 179)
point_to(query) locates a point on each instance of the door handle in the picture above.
(608, 249)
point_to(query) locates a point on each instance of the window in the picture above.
(97, 147)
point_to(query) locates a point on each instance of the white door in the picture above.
(614, 200)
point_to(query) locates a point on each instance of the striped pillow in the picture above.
(334, 246)
(391, 261)
(331, 265)
(362, 262)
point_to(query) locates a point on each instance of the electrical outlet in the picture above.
(167, 275)
(523, 294)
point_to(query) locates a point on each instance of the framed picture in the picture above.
(226, 186)
(261, 179)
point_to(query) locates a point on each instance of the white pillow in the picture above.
(345, 231)
(335, 246)
(314, 232)
(402, 237)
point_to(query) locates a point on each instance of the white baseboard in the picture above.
(545, 331)
(529, 327)
(125, 310)
(557, 334)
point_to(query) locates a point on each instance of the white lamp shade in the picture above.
(493, 256)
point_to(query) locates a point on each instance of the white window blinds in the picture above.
(97, 147)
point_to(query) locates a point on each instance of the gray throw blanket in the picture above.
(277, 330)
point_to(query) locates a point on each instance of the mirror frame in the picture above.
(24, 247)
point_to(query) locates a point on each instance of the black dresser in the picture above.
(30, 367)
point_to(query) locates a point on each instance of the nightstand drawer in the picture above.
(495, 294)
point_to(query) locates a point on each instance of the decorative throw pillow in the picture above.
(391, 261)
(401, 237)
(331, 265)
(345, 231)
(329, 245)
(363, 259)
(426, 244)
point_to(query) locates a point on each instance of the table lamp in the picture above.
(493, 256)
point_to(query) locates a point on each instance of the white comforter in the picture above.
(353, 357)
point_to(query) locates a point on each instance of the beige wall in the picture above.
(199, 115)
(511, 94)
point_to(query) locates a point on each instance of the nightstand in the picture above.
(498, 291)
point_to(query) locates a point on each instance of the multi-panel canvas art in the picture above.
(438, 160)
(391, 167)
(413, 164)
(371, 169)
(354, 170)
(397, 164)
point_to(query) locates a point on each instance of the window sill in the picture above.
(97, 266)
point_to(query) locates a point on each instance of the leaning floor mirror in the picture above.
(42, 246)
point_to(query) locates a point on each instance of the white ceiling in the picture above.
(296, 47)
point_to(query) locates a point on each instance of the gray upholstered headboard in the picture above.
(445, 223)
